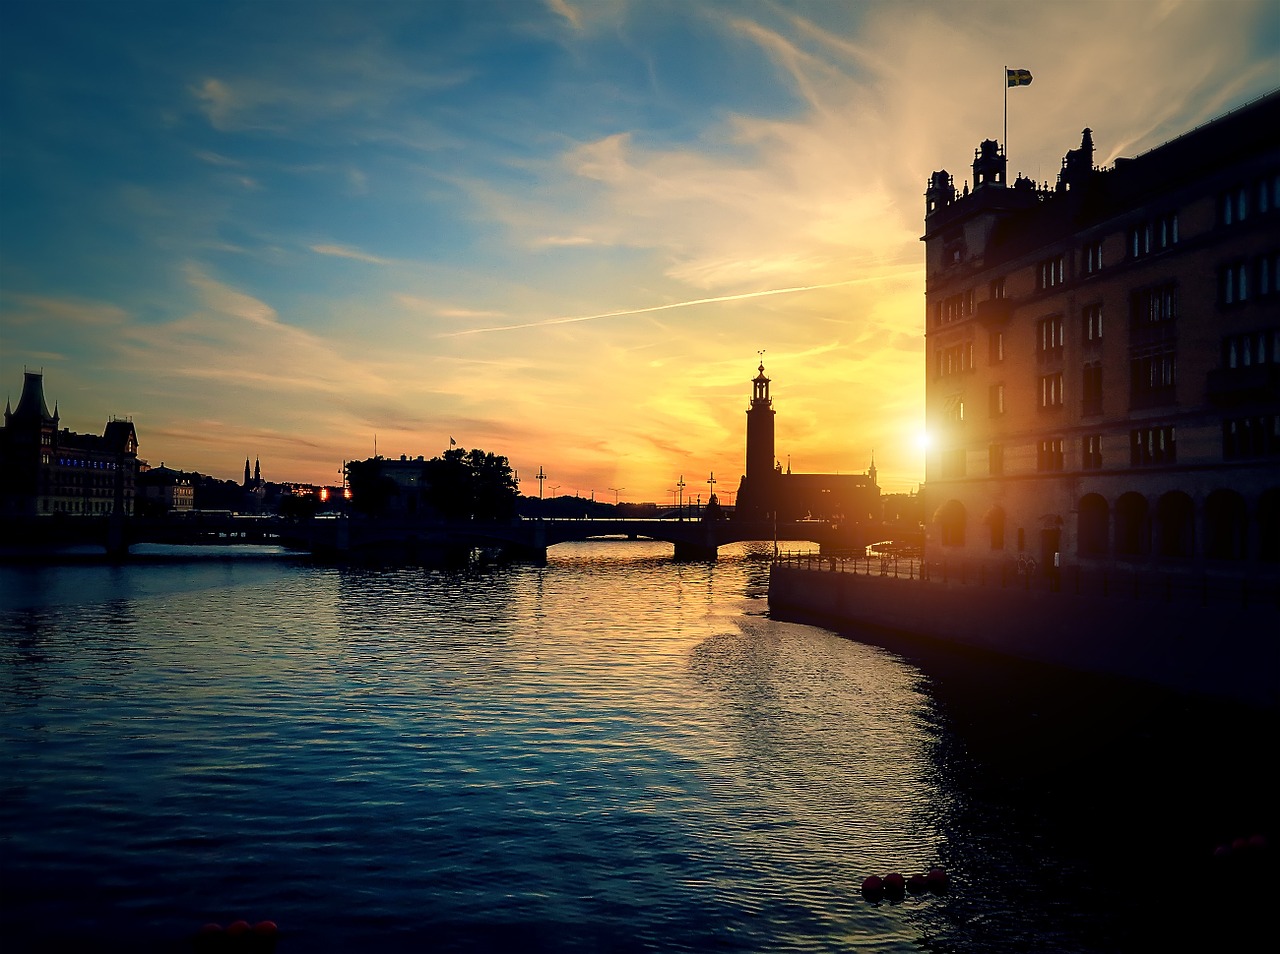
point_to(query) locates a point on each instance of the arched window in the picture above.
(1225, 526)
(950, 519)
(1092, 526)
(1133, 535)
(1175, 525)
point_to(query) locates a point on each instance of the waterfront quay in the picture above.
(1187, 631)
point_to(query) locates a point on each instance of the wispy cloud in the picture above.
(341, 251)
(743, 296)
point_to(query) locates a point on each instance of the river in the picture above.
(609, 753)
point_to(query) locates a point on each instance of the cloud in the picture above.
(342, 251)
(565, 10)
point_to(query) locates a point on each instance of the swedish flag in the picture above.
(1018, 77)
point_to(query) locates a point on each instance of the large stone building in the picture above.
(766, 490)
(44, 470)
(1103, 379)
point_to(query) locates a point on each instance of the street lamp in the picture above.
(681, 485)
(615, 494)
(541, 478)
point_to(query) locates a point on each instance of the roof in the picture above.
(32, 406)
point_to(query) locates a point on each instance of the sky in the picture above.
(557, 230)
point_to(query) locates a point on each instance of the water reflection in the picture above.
(610, 752)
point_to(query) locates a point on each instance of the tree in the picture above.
(371, 489)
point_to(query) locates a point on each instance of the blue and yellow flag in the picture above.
(1018, 77)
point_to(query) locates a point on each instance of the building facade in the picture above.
(1103, 357)
(44, 470)
(163, 490)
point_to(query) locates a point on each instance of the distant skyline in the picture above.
(559, 231)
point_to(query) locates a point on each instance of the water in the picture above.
(610, 753)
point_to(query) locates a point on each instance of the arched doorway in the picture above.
(1092, 526)
(994, 519)
(1226, 522)
(1175, 525)
(1269, 526)
(1133, 534)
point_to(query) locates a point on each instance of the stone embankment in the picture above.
(1213, 637)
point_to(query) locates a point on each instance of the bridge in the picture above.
(359, 537)
(529, 539)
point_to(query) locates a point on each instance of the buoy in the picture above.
(917, 884)
(266, 928)
(236, 928)
(211, 928)
(873, 887)
(937, 879)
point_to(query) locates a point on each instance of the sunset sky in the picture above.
(559, 231)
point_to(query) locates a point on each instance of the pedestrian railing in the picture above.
(1168, 585)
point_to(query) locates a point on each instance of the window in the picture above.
(955, 411)
(1256, 436)
(1049, 454)
(1234, 207)
(995, 346)
(1256, 347)
(996, 288)
(1153, 377)
(1049, 273)
(1049, 336)
(1150, 446)
(1051, 390)
(1166, 230)
(1091, 389)
(953, 462)
(1091, 323)
(1233, 283)
(1091, 451)
(954, 359)
(1153, 313)
(1268, 274)
(995, 459)
(955, 307)
(1093, 258)
(995, 400)
(1140, 240)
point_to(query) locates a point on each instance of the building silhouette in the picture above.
(767, 491)
(1103, 356)
(163, 490)
(44, 470)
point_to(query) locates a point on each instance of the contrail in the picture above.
(667, 307)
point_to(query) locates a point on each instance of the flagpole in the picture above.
(1006, 119)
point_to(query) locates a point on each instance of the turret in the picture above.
(940, 194)
(989, 165)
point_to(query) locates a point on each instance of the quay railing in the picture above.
(1140, 583)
